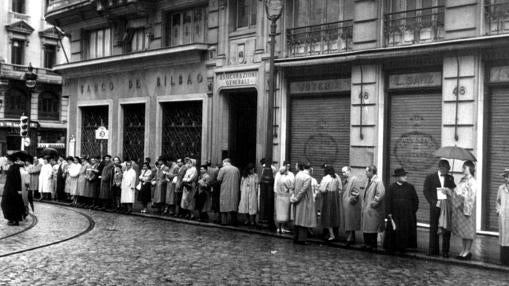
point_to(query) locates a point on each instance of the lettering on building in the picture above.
(414, 151)
(237, 78)
(499, 74)
(415, 80)
(319, 86)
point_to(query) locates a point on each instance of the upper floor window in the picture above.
(98, 43)
(185, 27)
(137, 40)
(244, 12)
(17, 51)
(48, 106)
(16, 103)
(496, 16)
(18, 6)
(50, 55)
(316, 12)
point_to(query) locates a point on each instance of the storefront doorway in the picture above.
(134, 131)
(91, 118)
(242, 127)
(414, 128)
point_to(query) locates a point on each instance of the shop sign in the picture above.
(51, 145)
(499, 74)
(415, 80)
(101, 133)
(319, 86)
(15, 124)
(414, 151)
(232, 79)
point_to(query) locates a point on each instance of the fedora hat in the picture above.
(399, 172)
(505, 173)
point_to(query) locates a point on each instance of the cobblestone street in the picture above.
(130, 250)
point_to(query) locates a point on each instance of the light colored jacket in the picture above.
(373, 207)
(305, 212)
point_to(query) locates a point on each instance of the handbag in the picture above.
(138, 187)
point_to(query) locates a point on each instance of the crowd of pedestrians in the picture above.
(340, 204)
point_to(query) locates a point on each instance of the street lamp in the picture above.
(30, 78)
(273, 9)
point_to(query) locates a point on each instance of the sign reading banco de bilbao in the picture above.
(319, 86)
(241, 78)
(415, 80)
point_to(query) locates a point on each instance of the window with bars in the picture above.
(244, 13)
(98, 43)
(48, 106)
(17, 52)
(16, 103)
(185, 26)
(18, 6)
(50, 56)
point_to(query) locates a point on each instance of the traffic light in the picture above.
(23, 126)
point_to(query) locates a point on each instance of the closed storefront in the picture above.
(497, 149)
(93, 117)
(182, 129)
(319, 124)
(414, 130)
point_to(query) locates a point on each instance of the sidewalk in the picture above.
(485, 249)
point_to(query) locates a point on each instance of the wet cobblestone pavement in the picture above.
(130, 250)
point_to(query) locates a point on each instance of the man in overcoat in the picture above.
(439, 179)
(351, 207)
(229, 176)
(106, 182)
(305, 212)
(372, 210)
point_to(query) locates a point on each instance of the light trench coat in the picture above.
(351, 207)
(503, 214)
(305, 212)
(128, 186)
(373, 207)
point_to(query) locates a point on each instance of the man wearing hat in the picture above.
(438, 180)
(401, 204)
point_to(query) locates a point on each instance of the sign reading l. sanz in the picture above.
(318, 86)
(242, 78)
(415, 80)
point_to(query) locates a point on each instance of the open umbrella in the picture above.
(22, 155)
(455, 153)
(50, 152)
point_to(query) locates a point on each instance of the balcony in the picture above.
(321, 39)
(497, 18)
(17, 72)
(414, 26)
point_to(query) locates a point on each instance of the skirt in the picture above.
(188, 202)
(90, 188)
(462, 225)
(159, 193)
(116, 191)
(81, 186)
(282, 207)
(170, 193)
(145, 194)
(329, 212)
(71, 186)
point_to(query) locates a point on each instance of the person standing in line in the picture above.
(229, 177)
(128, 185)
(30, 193)
(204, 199)
(159, 198)
(439, 208)
(351, 208)
(12, 201)
(116, 188)
(73, 173)
(146, 186)
(401, 203)
(45, 178)
(82, 179)
(305, 211)
(34, 169)
(503, 218)
(372, 209)
(463, 209)
(189, 189)
(283, 189)
(248, 205)
(60, 188)
(25, 185)
(215, 188)
(330, 189)
(106, 183)
(91, 183)
(179, 187)
(171, 181)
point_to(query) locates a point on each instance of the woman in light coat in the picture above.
(128, 186)
(305, 211)
(503, 218)
(71, 183)
(283, 189)
(249, 195)
(189, 183)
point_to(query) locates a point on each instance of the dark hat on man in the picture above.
(107, 156)
(399, 172)
(505, 173)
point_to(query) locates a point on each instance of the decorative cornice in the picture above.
(20, 27)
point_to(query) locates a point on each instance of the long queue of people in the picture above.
(338, 203)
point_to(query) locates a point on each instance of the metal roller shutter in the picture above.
(415, 133)
(497, 153)
(320, 131)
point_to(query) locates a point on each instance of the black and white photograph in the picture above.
(254, 142)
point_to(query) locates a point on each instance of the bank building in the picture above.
(357, 83)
